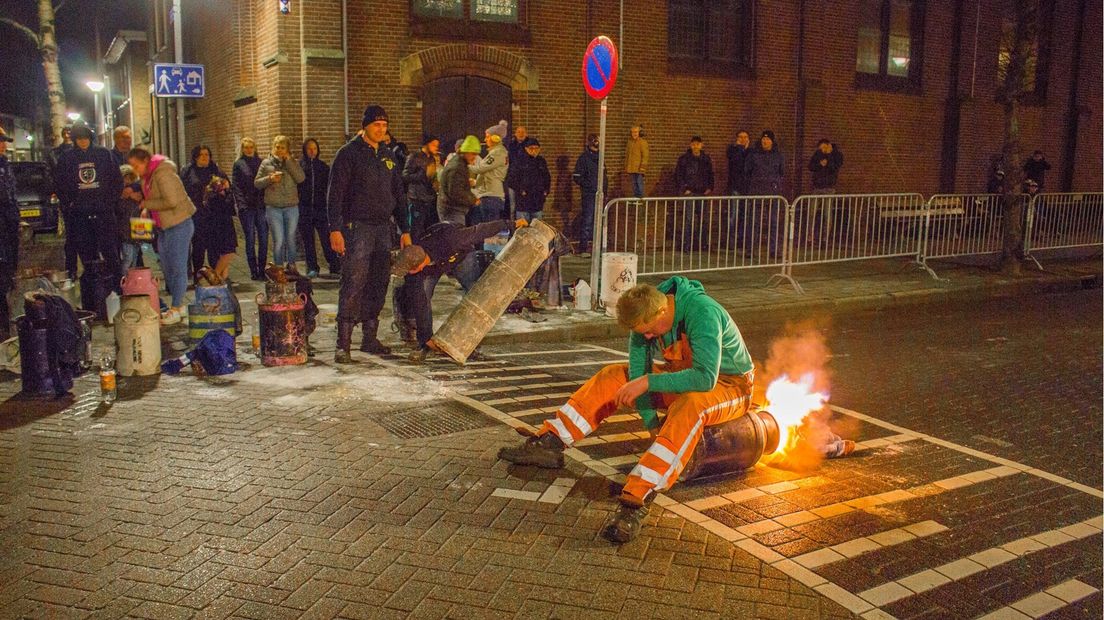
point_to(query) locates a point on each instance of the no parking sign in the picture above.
(600, 67)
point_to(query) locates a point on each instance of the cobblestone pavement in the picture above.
(373, 491)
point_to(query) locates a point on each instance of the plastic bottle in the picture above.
(256, 333)
(113, 304)
(582, 295)
(108, 390)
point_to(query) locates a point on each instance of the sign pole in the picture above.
(178, 49)
(599, 209)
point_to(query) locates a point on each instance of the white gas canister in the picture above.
(582, 295)
(618, 276)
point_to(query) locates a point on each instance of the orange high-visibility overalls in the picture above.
(687, 415)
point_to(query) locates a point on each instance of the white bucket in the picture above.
(618, 276)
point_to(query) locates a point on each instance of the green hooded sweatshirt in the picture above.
(715, 343)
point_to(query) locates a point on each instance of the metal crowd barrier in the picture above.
(706, 233)
(963, 225)
(715, 233)
(1060, 221)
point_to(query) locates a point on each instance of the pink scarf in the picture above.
(147, 181)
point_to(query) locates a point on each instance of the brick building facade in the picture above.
(907, 89)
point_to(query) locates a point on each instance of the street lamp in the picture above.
(74, 116)
(97, 87)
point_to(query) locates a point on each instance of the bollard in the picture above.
(498, 286)
(733, 446)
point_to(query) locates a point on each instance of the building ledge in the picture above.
(322, 55)
(275, 59)
(245, 96)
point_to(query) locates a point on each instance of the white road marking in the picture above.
(977, 562)
(1027, 469)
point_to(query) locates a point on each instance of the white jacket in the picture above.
(490, 173)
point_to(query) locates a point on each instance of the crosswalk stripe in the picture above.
(1041, 603)
(994, 556)
(866, 544)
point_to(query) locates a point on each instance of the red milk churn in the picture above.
(140, 281)
(283, 331)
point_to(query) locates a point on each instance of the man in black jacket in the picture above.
(52, 159)
(313, 218)
(825, 164)
(693, 177)
(440, 251)
(89, 185)
(365, 201)
(9, 234)
(737, 159)
(251, 210)
(1035, 168)
(586, 177)
(420, 177)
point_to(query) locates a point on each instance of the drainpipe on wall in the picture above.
(1073, 112)
(952, 114)
(345, 62)
(799, 116)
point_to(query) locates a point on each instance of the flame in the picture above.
(790, 403)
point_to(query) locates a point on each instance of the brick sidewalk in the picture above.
(281, 493)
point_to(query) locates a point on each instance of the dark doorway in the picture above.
(454, 107)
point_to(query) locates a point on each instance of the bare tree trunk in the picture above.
(54, 90)
(1011, 91)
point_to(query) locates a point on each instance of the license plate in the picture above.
(30, 212)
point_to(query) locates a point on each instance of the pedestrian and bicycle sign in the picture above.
(600, 67)
(171, 80)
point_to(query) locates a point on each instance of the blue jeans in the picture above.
(175, 250)
(284, 224)
(255, 227)
(529, 216)
(637, 180)
(489, 209)
(132, 255)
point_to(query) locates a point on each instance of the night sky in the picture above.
(22, 84)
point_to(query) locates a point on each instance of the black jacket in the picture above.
(694, 174)
(88, 180)
(365, 187)
(737, 177)
(531, 182)
(447, 242)
(246, 194)
(764, 170)
(586, 172)
(826, 175)
(515, 152)
(1036, 170)
(53, 158)
(9, 215)
(419, 185)
(312, 191)
(456, 192)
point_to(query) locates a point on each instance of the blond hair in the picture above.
(278, 140)
(639, 305)
(244, 143)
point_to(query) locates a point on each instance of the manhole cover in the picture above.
(443, 418)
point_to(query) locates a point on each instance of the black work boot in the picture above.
(370, 343)
(543, 451)
(344, 342)
(405, 329)
(624, 525)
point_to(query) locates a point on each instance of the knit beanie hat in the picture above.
(372, 114)
(768, 134)
(427, 138)
(470, 145)
(498, 130)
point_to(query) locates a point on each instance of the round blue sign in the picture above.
(600, 67)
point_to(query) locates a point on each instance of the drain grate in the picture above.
(433, 420)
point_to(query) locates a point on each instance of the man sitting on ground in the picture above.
(705, 377)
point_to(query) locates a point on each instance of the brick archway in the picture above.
(458, 59)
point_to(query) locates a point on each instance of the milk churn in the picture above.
(138, 337)
(140, 281)
(283, 331)
(499, 285)
(733, 446)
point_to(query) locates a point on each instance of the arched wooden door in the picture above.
(454, 107)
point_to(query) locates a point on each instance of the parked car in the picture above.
(34, 189)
